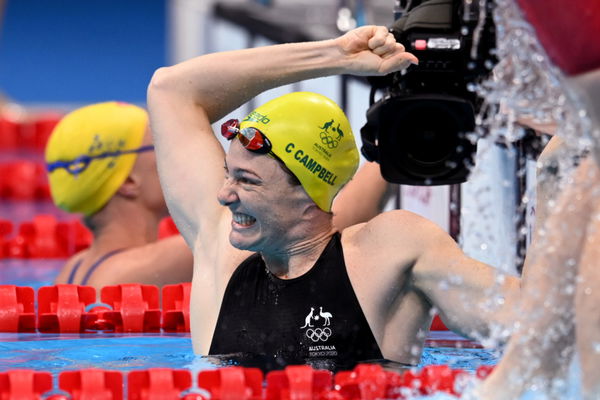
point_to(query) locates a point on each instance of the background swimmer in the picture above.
(101, 164)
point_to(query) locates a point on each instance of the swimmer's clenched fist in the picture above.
(374, 51)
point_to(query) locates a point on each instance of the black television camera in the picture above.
(421, 130)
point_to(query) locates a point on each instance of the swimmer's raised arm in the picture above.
(185, 99)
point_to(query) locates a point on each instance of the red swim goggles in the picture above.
(251, 138)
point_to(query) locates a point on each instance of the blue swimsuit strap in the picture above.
(94, 266)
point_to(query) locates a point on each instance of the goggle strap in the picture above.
(79, 164)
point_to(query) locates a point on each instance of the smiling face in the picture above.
(266, 208)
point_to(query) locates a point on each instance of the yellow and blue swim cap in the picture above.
(91, 152)
(313, 138)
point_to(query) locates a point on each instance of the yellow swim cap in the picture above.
(313, 138)
(86, 146)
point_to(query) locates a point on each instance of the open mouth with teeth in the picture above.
(243, 219)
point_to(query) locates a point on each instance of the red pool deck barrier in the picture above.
(302, 382)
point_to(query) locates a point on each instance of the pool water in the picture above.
(29, 272)
(56, 353)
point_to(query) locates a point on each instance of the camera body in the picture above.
(422, 130)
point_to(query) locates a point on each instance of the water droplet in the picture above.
(569, 289)
(500, 279)
(415, 350)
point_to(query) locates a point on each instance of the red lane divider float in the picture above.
(437, 324)
(299, 382)
(125, 308)
(365, 382)
(24, 384)
(61, 308)
(27, 133)
(46, 237)
(6, 227)
(17, 310)
(167, 228)
(158, 383)
(135, 307)
(74, 309)
(24, 180)
(232, 383)
(176, 307)
(96, 384)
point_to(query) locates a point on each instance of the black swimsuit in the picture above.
(314, 319)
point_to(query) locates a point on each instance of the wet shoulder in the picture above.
(162, 262)
(392, 229)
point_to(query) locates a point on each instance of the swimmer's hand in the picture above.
(373, 50)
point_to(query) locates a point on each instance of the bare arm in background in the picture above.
(561, 288)
(363, 197)
(541, 348)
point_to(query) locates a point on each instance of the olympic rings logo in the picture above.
(318, 334)
(328, 140)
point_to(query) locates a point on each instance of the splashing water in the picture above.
(525, 85)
